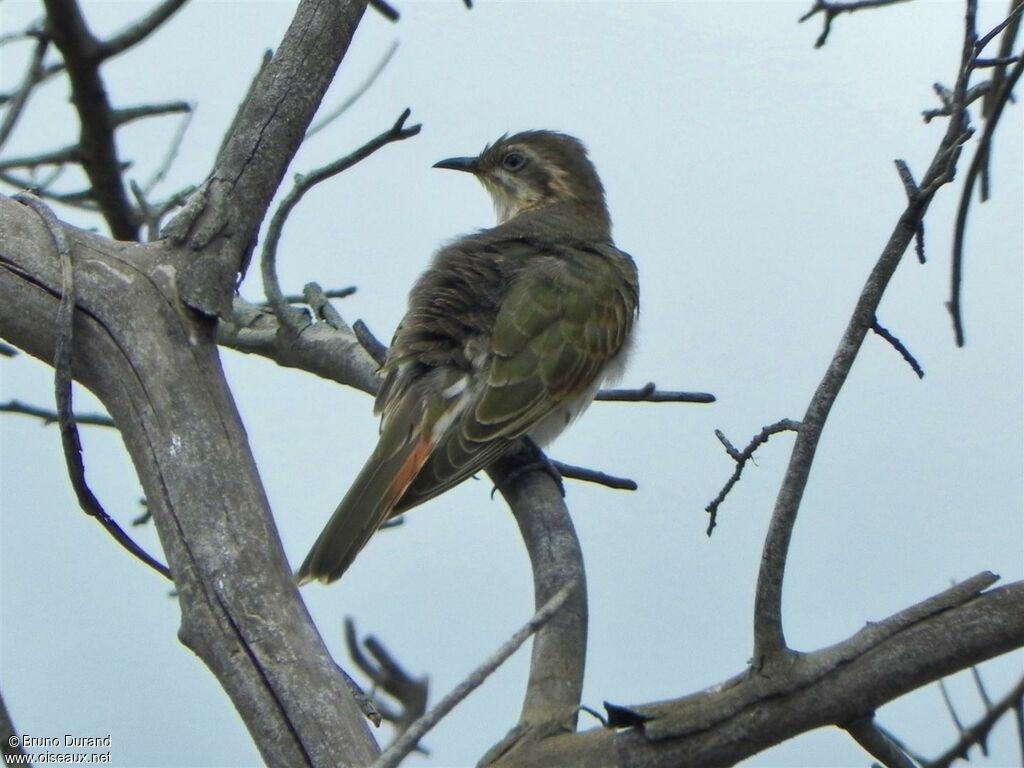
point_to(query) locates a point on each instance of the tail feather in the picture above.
(375, 492)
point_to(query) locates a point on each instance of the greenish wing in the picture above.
(567, 314)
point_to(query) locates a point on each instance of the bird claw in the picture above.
(528, 457)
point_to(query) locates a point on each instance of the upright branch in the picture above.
(81, 51)
(271, 286)
(769, 639)
(555, 685)
(998, 95)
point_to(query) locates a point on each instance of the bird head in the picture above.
(535, 169)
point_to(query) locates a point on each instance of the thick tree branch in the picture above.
(555, 687)
(224, 219)
(834, 686)
(154, 366)
(62, 359)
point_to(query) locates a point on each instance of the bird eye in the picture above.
(513, 161)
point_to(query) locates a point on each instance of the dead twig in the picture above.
(405, 743)
(594, 476)
(271, 286)
(649, 393)
(741, 458)
(389, 676)
(832, 9)
(373, 346)
(877, 743)
(52, 417)
(70, 440)
(899, 346)
(353, 97)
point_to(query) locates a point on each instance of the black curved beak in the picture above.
(468, 164)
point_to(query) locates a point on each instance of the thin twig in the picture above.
(976, 167)
(62, 156)
(833, 9)
(950, 708)
(301, 298)
(172, 151)
(977, 734)
(913, 194)
(373, 346)
(980, 685)
(388, 675)
(384, 9)
(62, 385)
(741, 458)
(52, 417)
(983, 41)
(124, 115)
(33, 75)
(319, 301)
(405, 743)
(649, 393)
(594, 476)
(140, 30)
(877, 743)
(303, 184)
(899, 346)
(352, 98)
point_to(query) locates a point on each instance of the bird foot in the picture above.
(525, 458)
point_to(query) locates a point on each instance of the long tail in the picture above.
(367, 504)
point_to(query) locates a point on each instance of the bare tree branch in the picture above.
(33, 74)
(649, 393)
(836, 685)
(405, 743)
(353, 97)
(70, 441)
(741, 458)
(555, 686)
(594, 476)
(974, 170)
(832, 9)
(388, 675)
(878, 744)
(899, 346)
(52, 417)
(80, 49)
(769, 639)
(977, 734)
(139, 31)
(397, 132)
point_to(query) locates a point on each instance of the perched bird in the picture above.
(509, 333)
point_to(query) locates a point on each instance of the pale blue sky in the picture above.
(751, 177)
